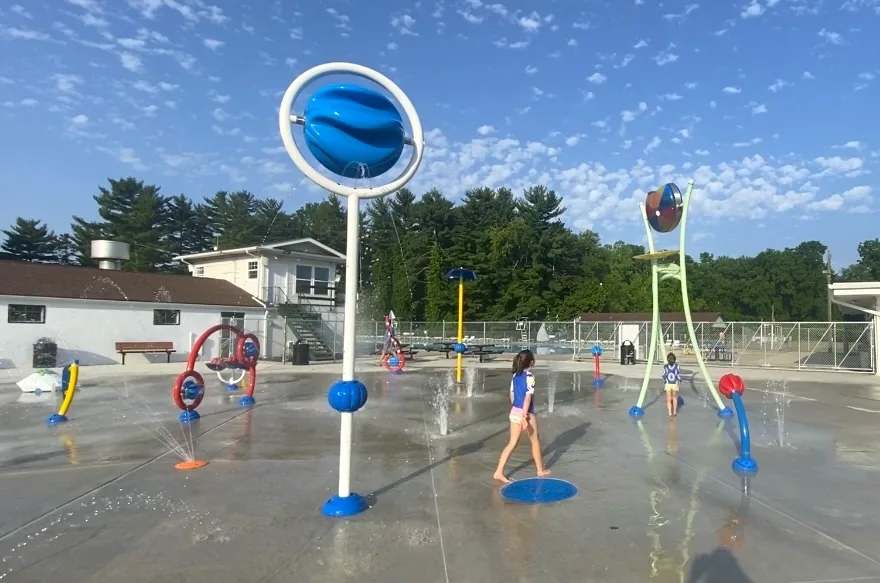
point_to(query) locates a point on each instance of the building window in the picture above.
(322, 281)
(25, 314)
(304, 279)
(200, 272)
(253, 269)
(312, 281)
(166, 317)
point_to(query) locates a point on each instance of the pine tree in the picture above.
(83, 232)
(31, 240)
(136, 214)
(232, 218)
(66, 250)
(435, 288)
(187, 229)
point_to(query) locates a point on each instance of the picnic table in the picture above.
(404, 348)
(473, 349)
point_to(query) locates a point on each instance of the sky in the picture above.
(770, 106)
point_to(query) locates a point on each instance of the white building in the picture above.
(861, 298)
(296, 279)
(86, 311)
(296, 271)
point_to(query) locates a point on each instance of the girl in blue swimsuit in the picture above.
(522, 414)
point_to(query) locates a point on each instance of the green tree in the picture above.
(232, 219)
(31, 240)
(187, 230)
(435, 288)
(136, 213)
(867, 268)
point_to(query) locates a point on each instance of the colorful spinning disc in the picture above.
(664, 207)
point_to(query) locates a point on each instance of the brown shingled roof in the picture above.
(20, 278)
(705, 317)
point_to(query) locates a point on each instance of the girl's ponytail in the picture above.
(522, 361)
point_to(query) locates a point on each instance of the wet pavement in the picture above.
(99, 500)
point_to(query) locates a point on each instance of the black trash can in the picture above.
(300, 354)
(45, 353)
(627, 352)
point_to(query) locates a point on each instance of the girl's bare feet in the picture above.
(543, 473)
(501, 478)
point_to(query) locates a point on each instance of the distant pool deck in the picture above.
(98, 499)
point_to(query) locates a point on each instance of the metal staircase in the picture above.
(309, 328)
(306, 324)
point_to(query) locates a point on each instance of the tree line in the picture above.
(529, 264)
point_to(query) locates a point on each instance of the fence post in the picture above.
(834, 342)
(800, 365)
(443, 330)
(284, 346)
(484, 330)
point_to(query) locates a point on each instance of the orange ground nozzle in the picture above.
(191, 465)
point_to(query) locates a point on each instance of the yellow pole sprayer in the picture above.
(461, 275)
(69, 378)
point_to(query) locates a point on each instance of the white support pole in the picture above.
(349, 337)
(876, 330)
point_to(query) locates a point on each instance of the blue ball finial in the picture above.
(353, 131)
(596, 350)
(251, 350)
(191, 390)
(347, 396)
(459, 348)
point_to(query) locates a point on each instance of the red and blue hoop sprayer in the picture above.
(598, 381)
(733, 387)
(357, 133)
(189, 388)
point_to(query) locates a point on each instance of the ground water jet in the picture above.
(146, 418)
(551, 391)
(440, 404)
(470, 377)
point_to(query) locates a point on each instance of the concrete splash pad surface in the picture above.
(98, 499)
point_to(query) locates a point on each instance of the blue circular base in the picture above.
(539, 491)
(745, 465)
(725, 413)
(188, 416)
(55, 418)
(231, 387)
(247, 401)
(636, 411)
(598, 383)
(351, 505)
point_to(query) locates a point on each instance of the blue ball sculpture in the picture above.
(353, 131)
(347, 396)
(393, 362)
(251, 350)
(596, 350)
(191, 390)
(459, 348)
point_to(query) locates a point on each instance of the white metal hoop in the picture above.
(232, 380)
(285, 119)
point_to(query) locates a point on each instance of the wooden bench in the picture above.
(124, 348)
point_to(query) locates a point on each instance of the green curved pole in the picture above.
(685, 302)
(655, 314)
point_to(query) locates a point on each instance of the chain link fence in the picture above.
(783, 345)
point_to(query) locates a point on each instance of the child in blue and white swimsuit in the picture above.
(671, 379)
(522, 414)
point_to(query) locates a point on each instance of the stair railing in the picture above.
(274, 296)
(327, 334)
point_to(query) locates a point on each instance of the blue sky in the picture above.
(770, 105)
